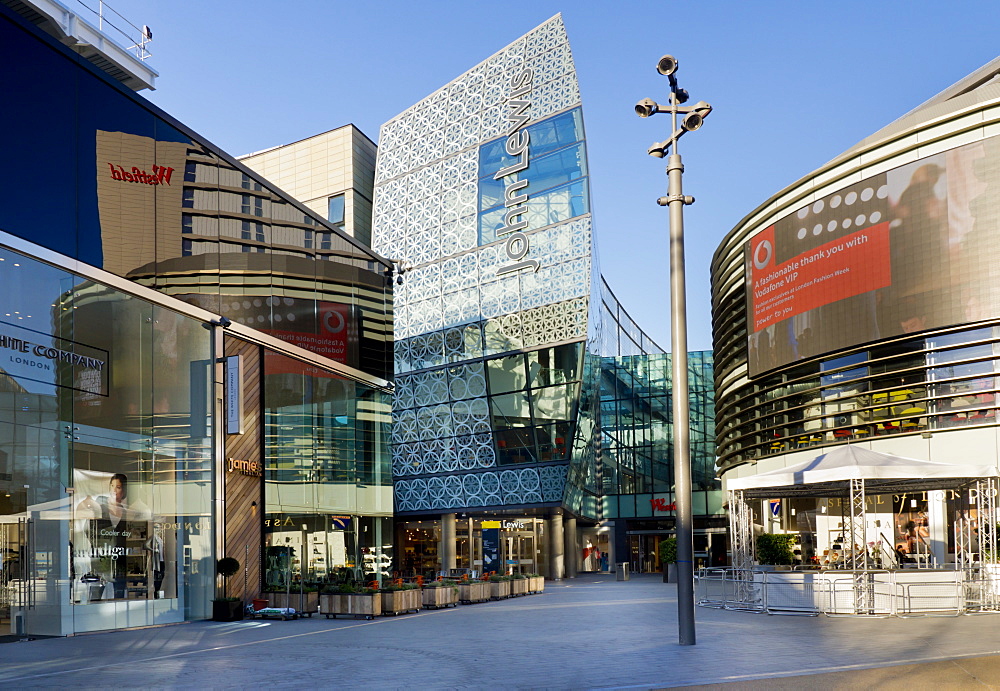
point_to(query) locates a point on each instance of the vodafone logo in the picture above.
(762, 254)
(333, 321)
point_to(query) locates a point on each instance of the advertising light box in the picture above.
(902, 252)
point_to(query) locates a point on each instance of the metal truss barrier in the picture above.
(904, 593)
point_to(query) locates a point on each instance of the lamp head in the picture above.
(667, 65)
(656, 150)
(646, 107)
(695, 119)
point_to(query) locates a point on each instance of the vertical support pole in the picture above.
(571, 550)
(448, 543)
(741, 532)
(556, 566)
(987, 501)
(219, 446)
(681, 425)
(864, 586)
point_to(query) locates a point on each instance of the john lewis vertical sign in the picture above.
(516, 200)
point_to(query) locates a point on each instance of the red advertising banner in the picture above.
(847, 266)
(331, 339)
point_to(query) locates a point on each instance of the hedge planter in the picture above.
(400, 601)
(441, 596)
(476, 591)
(499, 590)
(367, 605)
(536, 584)
(227, 610)
(519, 586)
(305, 604)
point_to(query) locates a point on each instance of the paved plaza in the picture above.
(589, 633)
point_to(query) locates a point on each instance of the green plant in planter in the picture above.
(226, 567)
(497, 578)
(775, 549)
(518, 576)
(668, 550)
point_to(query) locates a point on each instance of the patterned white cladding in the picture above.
(452, 308)
(428, 158)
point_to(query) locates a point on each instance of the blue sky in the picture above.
(793, 84)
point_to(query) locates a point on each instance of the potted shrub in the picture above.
(227, 608)
(775, 549)
(437, 594)
(350, 600)
(499, 587)
(536, 583)
(470, 592)
(399, 598)
(668, 557)
(518, 585)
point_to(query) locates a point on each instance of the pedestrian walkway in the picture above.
(588, 633)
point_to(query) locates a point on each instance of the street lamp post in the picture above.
(675, 200)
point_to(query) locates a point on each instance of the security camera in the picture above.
(646, 107)
(667, 65)
(679, 96)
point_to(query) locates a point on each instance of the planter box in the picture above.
(305, 604)
(499, 590)
(444, 596)
(224, 610)
(536, 584)
(400, 601)
(519, 586)
(476, 591)
(367, 605)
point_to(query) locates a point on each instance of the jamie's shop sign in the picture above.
(160, 175)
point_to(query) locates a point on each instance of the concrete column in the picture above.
(556, 565)
(572, 548)
(937, 512)
(448, 542)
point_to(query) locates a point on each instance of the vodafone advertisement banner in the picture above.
(850, 265)
(912, 249)
(332, 339)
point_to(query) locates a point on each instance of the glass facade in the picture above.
(327, 478)
(106, 452)
(140, 196)
(117, 226)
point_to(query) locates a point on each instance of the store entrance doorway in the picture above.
(15, 591)
(519, 551)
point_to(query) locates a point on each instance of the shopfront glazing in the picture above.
(105, 456)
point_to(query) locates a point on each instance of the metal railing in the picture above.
(842, 593)
(133, 39)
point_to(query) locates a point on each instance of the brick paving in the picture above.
(589, 633)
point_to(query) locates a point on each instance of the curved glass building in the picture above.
(861, 305)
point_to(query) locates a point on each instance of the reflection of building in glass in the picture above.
(861, 305)
(192, 365)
